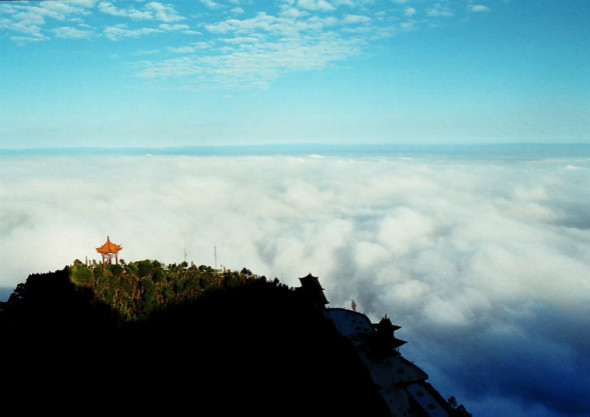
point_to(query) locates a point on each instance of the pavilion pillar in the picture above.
(109, 251)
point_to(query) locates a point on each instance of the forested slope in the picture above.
(142, 337)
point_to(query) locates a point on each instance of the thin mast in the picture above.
(215, 255)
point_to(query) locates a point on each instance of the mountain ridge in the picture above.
(244, 343)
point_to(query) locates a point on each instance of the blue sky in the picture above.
(151, 73)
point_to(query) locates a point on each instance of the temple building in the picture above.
(109, 251)
(402, 384)
(310, 286)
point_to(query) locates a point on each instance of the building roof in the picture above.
(310, 280)
(109, 247)
(386, 324)
(311, 285)
(353, 324)
(397, 342)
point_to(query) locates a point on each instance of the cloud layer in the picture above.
(483, 262)
(231, 43)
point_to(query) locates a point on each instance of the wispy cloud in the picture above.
(355, 18)
(440, 11)
(478, 8)
(175, 26)
(111, 9)
(164, 13)
(245, 63)
(255, 51)
(410, 11)
(188, 49)
(300, 35)
(123, 31)
(28, 19)
(316, 5)
(32, 37)
(152, 11)
(292, 35)
(68, 32)
(209, 3)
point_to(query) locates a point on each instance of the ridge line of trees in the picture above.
(138, 288)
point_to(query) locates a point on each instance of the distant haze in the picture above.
(481, 256)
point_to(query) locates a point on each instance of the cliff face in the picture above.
(258, 347)
(402, 384)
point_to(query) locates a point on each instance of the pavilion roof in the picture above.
(311, 284)
(109, 247)
(310, 281)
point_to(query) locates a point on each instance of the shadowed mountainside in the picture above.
(256, 346)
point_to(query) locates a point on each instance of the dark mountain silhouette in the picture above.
(258, 347)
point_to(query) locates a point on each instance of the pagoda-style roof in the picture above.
(310, 281)
(109, 247)
(311, 285)
(397, 342)
(386, 326)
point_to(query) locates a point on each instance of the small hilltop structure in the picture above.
(313, 290)
(402, 384)
(109, 250)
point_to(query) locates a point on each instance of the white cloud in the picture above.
(210, 3)
(350, 3)
(182, 49)
(122, 31)
(404, 230)
(240, 40)
(453, 250)
(164, 13)
(23, 23)
(28, 19)
(176, 26)
(143, 52)
(316, 33)
(72, 33)
(416, 220)
(262, 21)
(253, 52)
(440, 11)
(251, 64)
(152, 11)
(354, 18)
(293, 12)
(188, 49)
(476, 8)
(316, 5)
(111, 9)
(33, 37)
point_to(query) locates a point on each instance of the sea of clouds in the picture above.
(484, 262)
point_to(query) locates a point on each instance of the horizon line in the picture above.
(512, 150)
(294, 144)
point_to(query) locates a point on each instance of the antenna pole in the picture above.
(215, 255)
